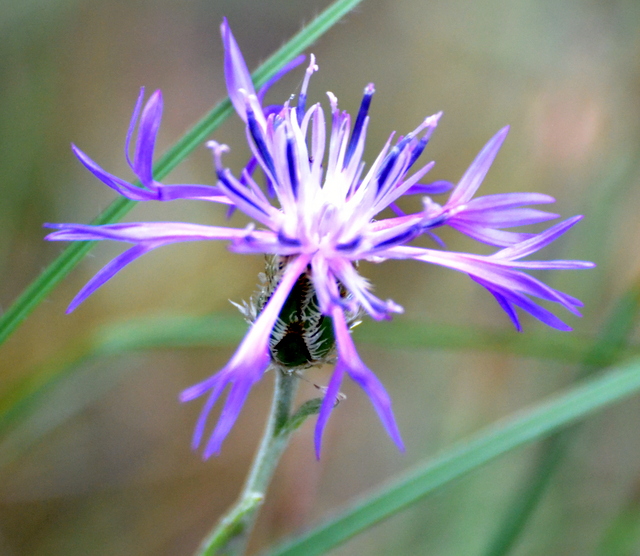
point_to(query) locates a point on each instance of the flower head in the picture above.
(315, 219)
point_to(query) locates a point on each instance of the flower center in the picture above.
(302, 336)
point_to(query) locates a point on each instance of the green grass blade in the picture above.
(26, 395)
(502, 437)
(23, 397)
(51, 276)
(225, 329)
(605, 350)
(541, 344)
(622, 537)
(20, 403)
(169, 332)
(166, 331)
(40, 288)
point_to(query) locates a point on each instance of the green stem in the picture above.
(231, 534)
(53, 274)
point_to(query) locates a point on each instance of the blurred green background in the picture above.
(102, 466)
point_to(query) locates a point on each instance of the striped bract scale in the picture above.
(302, 336)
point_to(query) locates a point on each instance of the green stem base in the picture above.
(231, 535)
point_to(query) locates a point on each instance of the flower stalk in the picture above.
(231, 535)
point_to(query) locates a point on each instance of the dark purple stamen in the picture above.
(436, 221)
(247, 240)
(256, 133)
(272, 109)
(286, 240)
(349, 245)
(388, 163)
(248, 170)
(271, 190)
(378, 305)
(227, 183)
(291, 163)
(395, 208)
(390, 160)
(357, 127)
(386, 167)
(244, 180)
(402, 237)
(418, 151)
(302, 105)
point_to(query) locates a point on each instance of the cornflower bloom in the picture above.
(315, 220)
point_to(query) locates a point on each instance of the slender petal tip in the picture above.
(503, 132)
(432, 121)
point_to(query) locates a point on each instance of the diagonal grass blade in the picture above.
(520, 429)
(40, 288)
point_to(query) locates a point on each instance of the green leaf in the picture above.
(40, 288)
(504, 436)
(307, 409)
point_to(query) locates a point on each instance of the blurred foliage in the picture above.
(100, 463)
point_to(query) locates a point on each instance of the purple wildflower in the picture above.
(319, 225)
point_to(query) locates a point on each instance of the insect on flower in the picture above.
(314, 220)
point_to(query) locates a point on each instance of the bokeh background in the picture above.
(102, 465)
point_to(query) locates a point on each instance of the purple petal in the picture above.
(398, 211)
(348, 357)
(281, 72)
(147, 133)
(107, 272)
(132, 126)
(509, 200)
(219, 380)
(488, 270)
(193, 191)
(122, 187)
(434, 188)
(503, 217)
(537, 311)
(516, 281)
(538, 241)
(499, 238)
(245, 200)
(208, 406)
(232, 407)
(387, 223)
(398, 189)
(159, 233)
(328, 403)
(554, 265)
(473, 177)
(359, 288)
(245, 367)
(510, 298)
(235, 71)
(504, 304)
